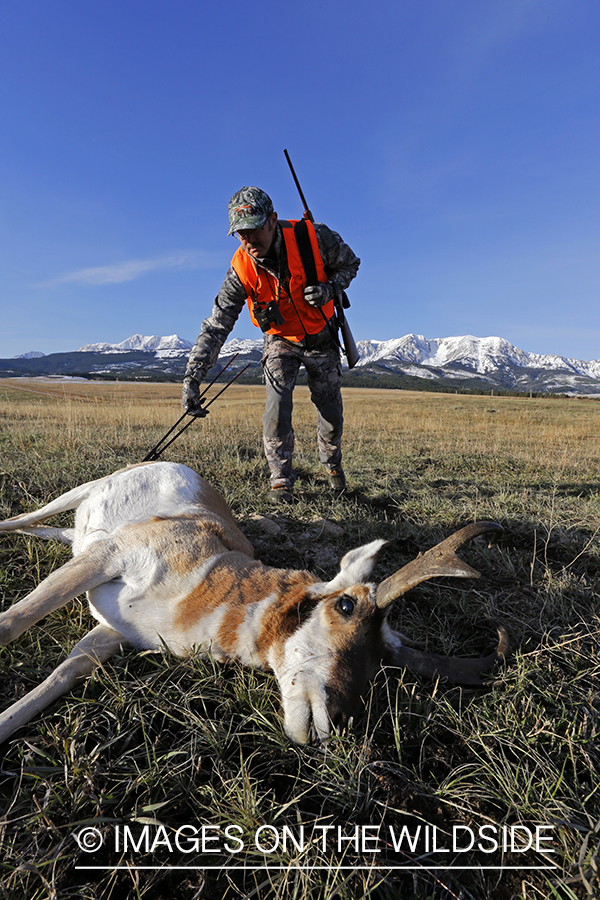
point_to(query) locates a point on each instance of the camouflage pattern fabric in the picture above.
(249, 208)
(341, 265)
(281, 362)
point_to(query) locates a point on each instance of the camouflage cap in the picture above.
(249, 208)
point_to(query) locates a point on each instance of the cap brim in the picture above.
(248, 224)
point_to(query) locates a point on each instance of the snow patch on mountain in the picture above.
(244, 347)
(170, 345)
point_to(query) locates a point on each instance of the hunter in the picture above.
(298, 320)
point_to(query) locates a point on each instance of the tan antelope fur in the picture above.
(164, 563)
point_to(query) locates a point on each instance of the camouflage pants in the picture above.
(281, 363)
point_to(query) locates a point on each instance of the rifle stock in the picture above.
(350, 348)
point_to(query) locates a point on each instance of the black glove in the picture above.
(320, 294)
(190, 396)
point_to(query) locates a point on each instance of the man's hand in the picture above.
(190, 397)
(320, 294)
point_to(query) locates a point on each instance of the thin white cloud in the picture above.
(135, 268)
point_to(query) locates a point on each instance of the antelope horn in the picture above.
(440, 560)
(459, 671)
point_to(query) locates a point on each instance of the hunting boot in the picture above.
(280, 493)
(279, 457)
(337, 480)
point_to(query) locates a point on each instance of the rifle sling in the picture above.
(306, 252)
(310, 269)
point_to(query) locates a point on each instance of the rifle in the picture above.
(341, 300)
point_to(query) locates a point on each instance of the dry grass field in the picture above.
(152, 748)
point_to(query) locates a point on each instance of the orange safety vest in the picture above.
(299, 317)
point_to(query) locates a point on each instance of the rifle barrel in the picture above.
(307, 213)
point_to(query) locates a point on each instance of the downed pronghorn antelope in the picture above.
(164, 563)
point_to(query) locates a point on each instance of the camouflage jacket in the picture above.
(341, 265)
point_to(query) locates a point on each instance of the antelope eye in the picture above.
(346, 605)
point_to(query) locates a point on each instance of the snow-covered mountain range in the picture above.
(493, 358)
(33, 354)
(171, 345)
(468, 360)
(482, 355)
(464, 361)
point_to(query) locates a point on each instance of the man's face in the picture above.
(257, 241)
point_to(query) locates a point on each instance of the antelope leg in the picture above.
(95, 648)
(76, 576)
(64, 535)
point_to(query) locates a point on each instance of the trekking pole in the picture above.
(158, 449)
(155, 452)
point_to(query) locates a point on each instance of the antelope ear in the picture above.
(356, 566)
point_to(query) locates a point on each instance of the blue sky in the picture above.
(454, 144)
